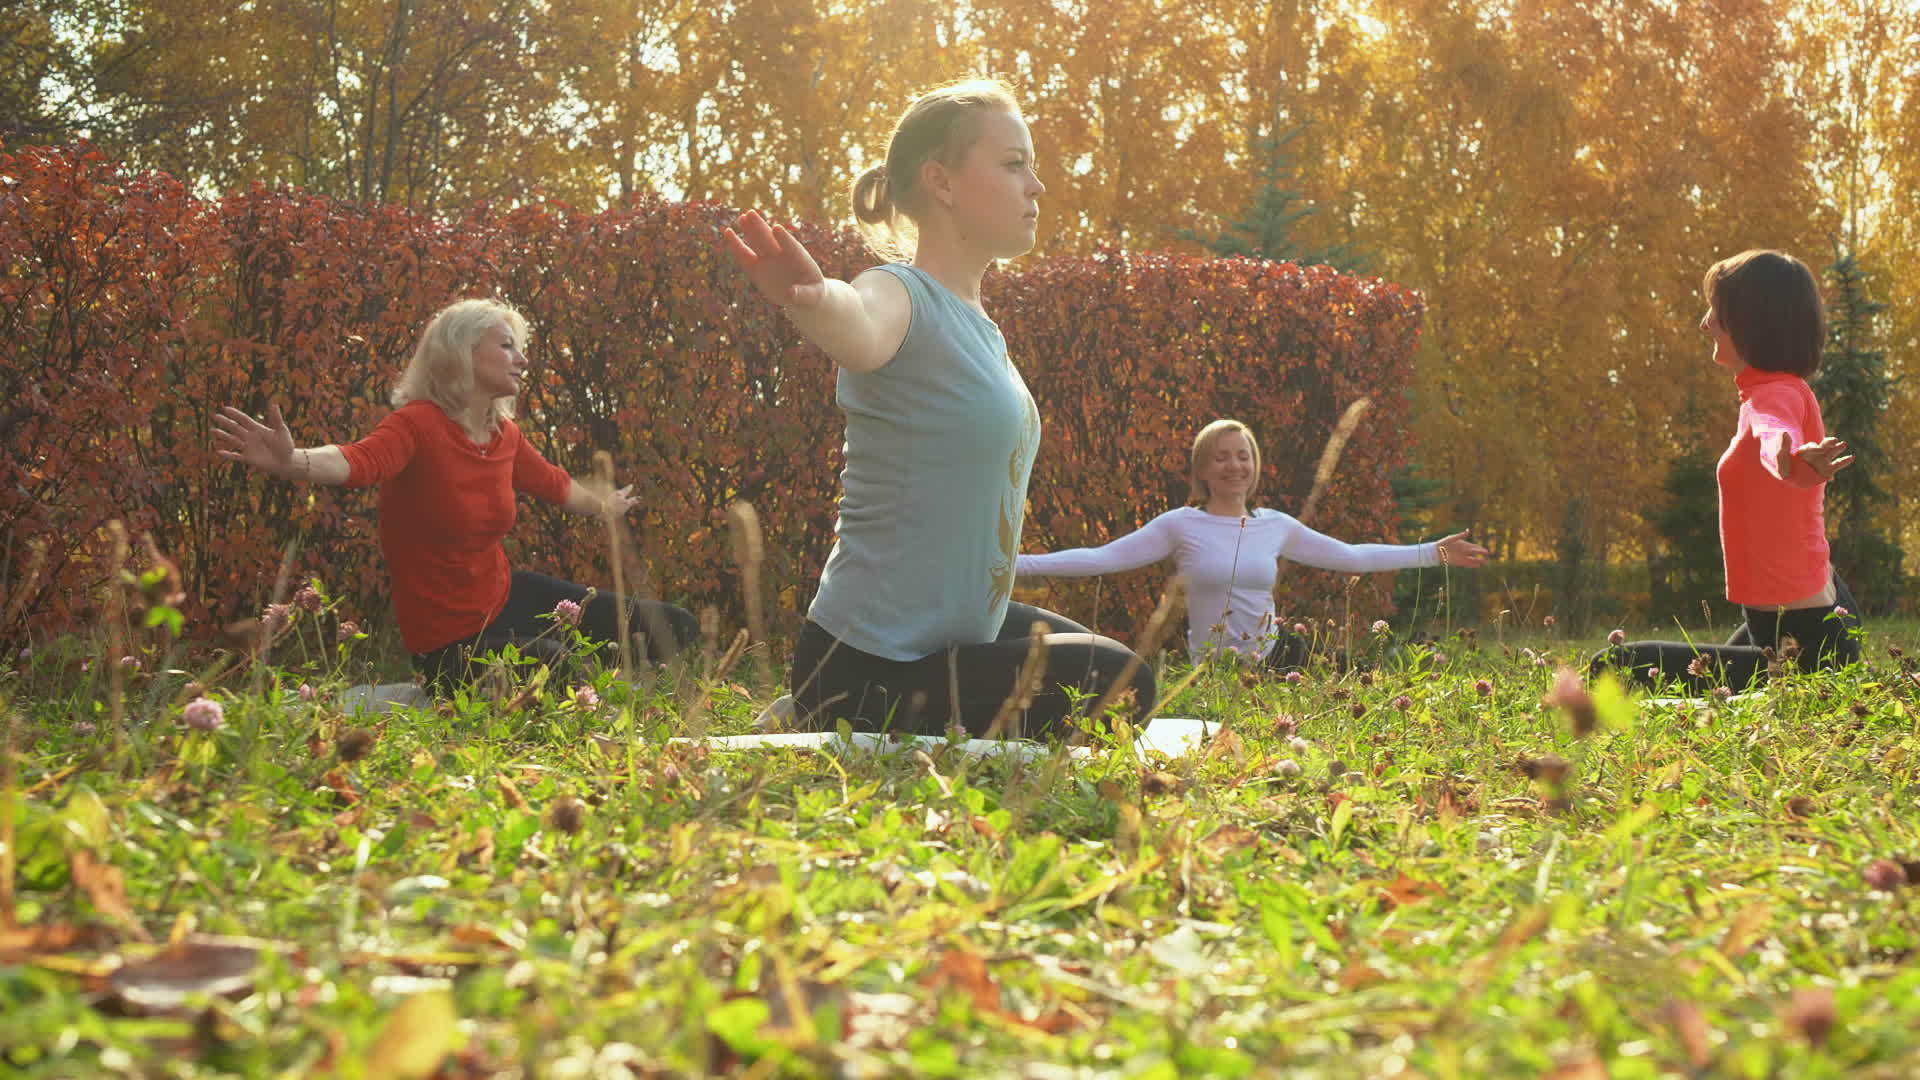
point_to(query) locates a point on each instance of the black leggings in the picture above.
(833, 681)
(668, 629)
(1290, 651)
(1824, 638)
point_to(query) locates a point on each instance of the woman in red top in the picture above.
(1767, 325)
(449, 460)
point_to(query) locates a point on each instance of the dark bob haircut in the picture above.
(1770, 306)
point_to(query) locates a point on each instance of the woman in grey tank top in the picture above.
(913, 627)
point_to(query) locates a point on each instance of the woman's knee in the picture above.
(1021, 618)
(1095, 662)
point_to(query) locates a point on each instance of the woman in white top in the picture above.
(1230, 554)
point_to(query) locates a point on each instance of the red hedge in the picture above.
(131, 311)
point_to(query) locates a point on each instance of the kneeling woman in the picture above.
(1230, 554)
(449, 460)
(1767, 324)
(912, 628)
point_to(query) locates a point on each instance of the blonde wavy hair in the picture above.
(1203, 448)
(441, 370)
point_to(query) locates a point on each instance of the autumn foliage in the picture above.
(132, 310)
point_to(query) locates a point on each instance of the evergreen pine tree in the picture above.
(1854, 389)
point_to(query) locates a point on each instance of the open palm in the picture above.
(778, 265)
(1460, 550)
(267, 447)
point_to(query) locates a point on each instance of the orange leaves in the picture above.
(964, 972)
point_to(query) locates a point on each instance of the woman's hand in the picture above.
(1826, 457)
(1457, 550)
(779, 265)
(621, 501)
(267, 447)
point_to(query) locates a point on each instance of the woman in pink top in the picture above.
(1767, 325)
(450, 463)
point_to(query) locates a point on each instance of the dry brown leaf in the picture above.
(1359, 975)
(342, 784)
(1746, 928)
(1405, 890)
(1549, 769)
(106, 887)
(483, 935)
(481, 852)
(1230, 838)
(1525, 928)
(1690, 1027)
(1160, 782)
(18, 943)
(1225, 745)
(511, 793)
(966, 971)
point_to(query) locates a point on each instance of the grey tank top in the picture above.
(940, 444)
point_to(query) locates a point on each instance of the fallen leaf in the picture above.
(1225, 745)
(1745, 929)
(484, 935)
(481, 853)
(18, 943)
(511, 793)
(1359, 975)
(417, 1037)
(1690, 1027)
(1159, 782)
(1549, 769)
(1230, 838)
(966, 971)
(343, 785)
(1405, 890)
(107, 888)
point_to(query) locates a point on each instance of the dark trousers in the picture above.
(531, 596)
(1290, 651)
(1822, 634)
(832, 681)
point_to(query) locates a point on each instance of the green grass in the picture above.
(1409, 904)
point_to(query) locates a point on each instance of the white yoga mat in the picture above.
(371, 700)
(1171, 736)
(1704, 699)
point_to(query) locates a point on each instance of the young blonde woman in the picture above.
(912, 627)
(449, 461)
(1230, 553)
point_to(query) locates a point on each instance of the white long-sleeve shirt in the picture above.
(1230, 564)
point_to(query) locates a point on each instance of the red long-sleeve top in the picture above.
(1773, 530)
(445, 505)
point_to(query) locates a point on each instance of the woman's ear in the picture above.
(936, 181)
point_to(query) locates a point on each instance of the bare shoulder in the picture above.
(889, 311)
(883, 294)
